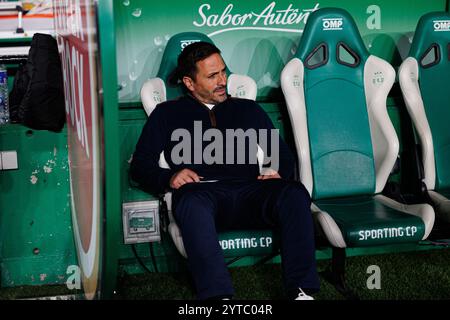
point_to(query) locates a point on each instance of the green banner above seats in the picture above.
(256, 37)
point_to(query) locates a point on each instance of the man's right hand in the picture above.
(182, 177)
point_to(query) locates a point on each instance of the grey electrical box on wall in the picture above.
(141, 221)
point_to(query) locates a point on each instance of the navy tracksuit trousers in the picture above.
(203, 209)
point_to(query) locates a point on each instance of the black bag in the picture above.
(20, 85)
(37, 98)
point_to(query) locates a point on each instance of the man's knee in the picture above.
(295, 192)
(293, 203)
(194, 202)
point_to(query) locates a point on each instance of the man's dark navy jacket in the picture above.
(168, 116)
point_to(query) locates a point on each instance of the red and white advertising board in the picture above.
(76, 33)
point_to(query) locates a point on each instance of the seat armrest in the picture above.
(379, 76)
(292, 77)
(168, 199)
(409, 84)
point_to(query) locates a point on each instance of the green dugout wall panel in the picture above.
(36, 240)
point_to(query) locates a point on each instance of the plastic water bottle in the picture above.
(4, 104)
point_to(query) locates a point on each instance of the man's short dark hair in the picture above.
(192, 54)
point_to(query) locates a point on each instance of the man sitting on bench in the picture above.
(210, 142)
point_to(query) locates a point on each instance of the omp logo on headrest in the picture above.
(185, 43)
(332, 24)
(441, 25)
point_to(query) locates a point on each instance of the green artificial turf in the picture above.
(404, 276)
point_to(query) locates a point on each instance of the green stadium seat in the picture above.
(423, 78)
(162, 87)
(336, 94)
(234, 243)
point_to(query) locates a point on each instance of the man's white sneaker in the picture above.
(303, 296)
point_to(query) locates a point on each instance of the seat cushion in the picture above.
(444, 192)
(364, 221)
(334, 57)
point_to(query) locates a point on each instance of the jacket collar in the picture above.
(191, 97)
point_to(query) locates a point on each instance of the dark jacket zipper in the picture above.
(212, 118)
